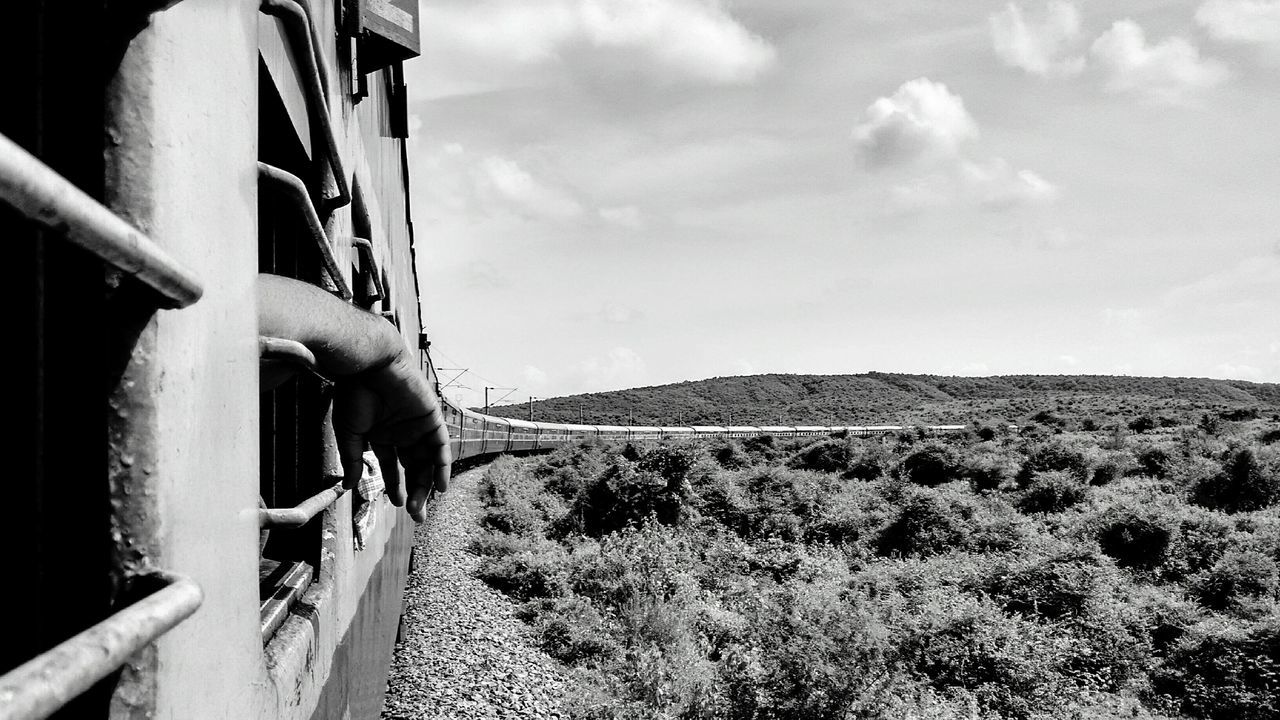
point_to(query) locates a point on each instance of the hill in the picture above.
(890, 398)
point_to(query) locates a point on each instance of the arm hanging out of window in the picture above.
(381, 395)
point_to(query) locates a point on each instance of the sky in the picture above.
(619, 193)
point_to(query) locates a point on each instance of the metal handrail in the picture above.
(293, 186)
(44, 684)
(300, 514)
(38, 192)
(290, 351)
(365, 246)
(315, 82)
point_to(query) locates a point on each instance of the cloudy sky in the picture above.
(613, 193)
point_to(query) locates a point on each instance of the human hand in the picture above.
(394, 410)
(382, 396)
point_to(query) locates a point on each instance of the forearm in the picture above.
(345, 339)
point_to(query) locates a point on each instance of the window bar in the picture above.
(301, 513)
(315, 83)
(44, 684)
(290, 351)
(296, 190)
(38, 192)
(365, 247)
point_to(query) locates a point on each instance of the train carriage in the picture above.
(524, 435)
(643, 432)
(778, 431)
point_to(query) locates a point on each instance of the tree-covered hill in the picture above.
(890, 398)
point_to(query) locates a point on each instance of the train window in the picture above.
(291, 416)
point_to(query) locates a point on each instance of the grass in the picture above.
(1056, 574)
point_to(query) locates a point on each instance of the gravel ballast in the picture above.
(464, 654)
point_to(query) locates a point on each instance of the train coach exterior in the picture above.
(244, 136)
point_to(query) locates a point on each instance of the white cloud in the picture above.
(1070, 360)
(1164, 72)
(922, 121)
(693, 39)
(505, 179)
(1246, 21)
(621, 368)
(533, 378)
(1230, 371)
(997, 186)
(992, 185)
(1039, 48)
(627, 216)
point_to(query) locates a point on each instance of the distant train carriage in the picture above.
(811, 430)
(612, 431)
(524, 435)
(552, 434)
(643, 432)
(581, 432)
(670, 432)
(708, 430)
(778, 431)
(742, 431)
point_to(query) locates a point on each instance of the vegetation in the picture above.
(1053, 402)
(1066, 574)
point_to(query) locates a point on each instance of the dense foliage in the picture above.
(1086, 402)
(1044, 575)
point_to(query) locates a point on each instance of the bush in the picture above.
(1007, 664)
(828, 456)
(1111, 467)
(1249, 480)
(1142, 423)
(623, 496)
(1238, 574)
(1134, 539)
(926, 525)
(870, 460)
(932, 465)
(1154, 461)
(533, 573)
(990, 470)
(1052, 492)
(1054, 587)
(1054, 455)
(1223, 673)
(731, 456)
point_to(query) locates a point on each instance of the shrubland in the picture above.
(1038, 575)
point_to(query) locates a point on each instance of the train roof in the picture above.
(708, 428)
(742, 428)
(812, 428)
(776, 428)
(521, 423)
(644, 428)
(676, 429)
(611, 428)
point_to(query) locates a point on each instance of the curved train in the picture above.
(474, 434)
(187, 551)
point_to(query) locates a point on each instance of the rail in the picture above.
(365, 247)
(38, 192)
(290, 351)
(44, 684)
(300, 514)
(293, 187)
(297, 16)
